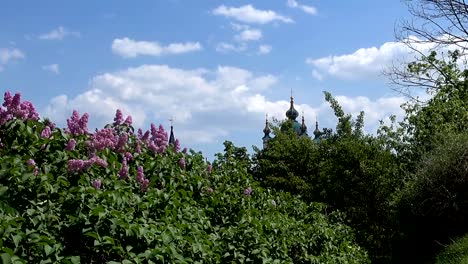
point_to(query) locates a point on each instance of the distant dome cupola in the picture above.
(292, 113)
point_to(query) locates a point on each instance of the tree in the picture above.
(436, 25)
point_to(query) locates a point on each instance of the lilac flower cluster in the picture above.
(158, 140)
(176, 145)
(123, 172)
(46, 132)
(182, 163)
(97, 184)
(118, 119)
(104, 138)
(15, 108)
(77, 165)
(248, 191)
(77, 125)
(71, 145)
(144, 183)
(209, 168)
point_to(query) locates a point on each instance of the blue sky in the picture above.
(216, 67)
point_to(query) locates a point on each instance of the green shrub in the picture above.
(455, 253)
(433, 206)
(116, 196)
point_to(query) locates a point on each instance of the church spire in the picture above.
(266, 131)
(292, 113)
(303, 127)
(171, 137)
(317, 132)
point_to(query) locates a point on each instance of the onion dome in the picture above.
(292, 113)
(317, 132)
(267, 131)
(303, 127)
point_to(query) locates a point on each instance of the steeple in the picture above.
(317, 132)
(292, 113)
(303, 127)
(267, 131)
(171, 137)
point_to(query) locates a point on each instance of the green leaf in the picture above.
(6, 259)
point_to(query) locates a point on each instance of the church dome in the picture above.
(292, 113)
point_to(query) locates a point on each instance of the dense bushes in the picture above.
(71, 196)
(433, 205)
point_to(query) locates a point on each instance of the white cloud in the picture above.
(366, 62)
(249, 14)
(317, 75)
(59, 34)
(129, 48)
(52, 68)
(7, 55)
(264, 49)
(224, 47)
(209, 101)
(308, 9)
(249, 35)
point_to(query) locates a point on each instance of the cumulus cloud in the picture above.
(224, 47)
(52, 68)
(58, 34)
(368, 63)
(264, 49)
(249, 14)
(308, 9)
(129, 48)
(7, 55)
(249, 35)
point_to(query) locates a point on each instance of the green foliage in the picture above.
(455, 253)
(346, 170)
(189, 214)
(433, 205)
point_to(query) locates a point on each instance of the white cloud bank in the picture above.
(249, 14)
(7, 55)
(264, 49)
(369, 63)
(306, 8)
(129, 48)
(207, 104)
(59, 34)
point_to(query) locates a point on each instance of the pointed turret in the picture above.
(303, 127)
(317, 132)
(267, 132)
(171, 137)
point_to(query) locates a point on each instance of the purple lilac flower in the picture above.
(182, 163)
(145, 137)
(14, 108)
(123, 172)
(77, 165)
(176, 145)
(128, 156)
(144, 185)
(97, 184)
(209, 168)
(36, 171)
(128, 121)
(140, 175)
(138, 148)
(158, 141)
(139, 133)
(209, 190)
(104, 138)
(46, 132)
(248, 191)
(122, 141)
(98, 161)
(71, 145)
(76, 125)
(184, 150)
(31, 162)
(118, 119)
